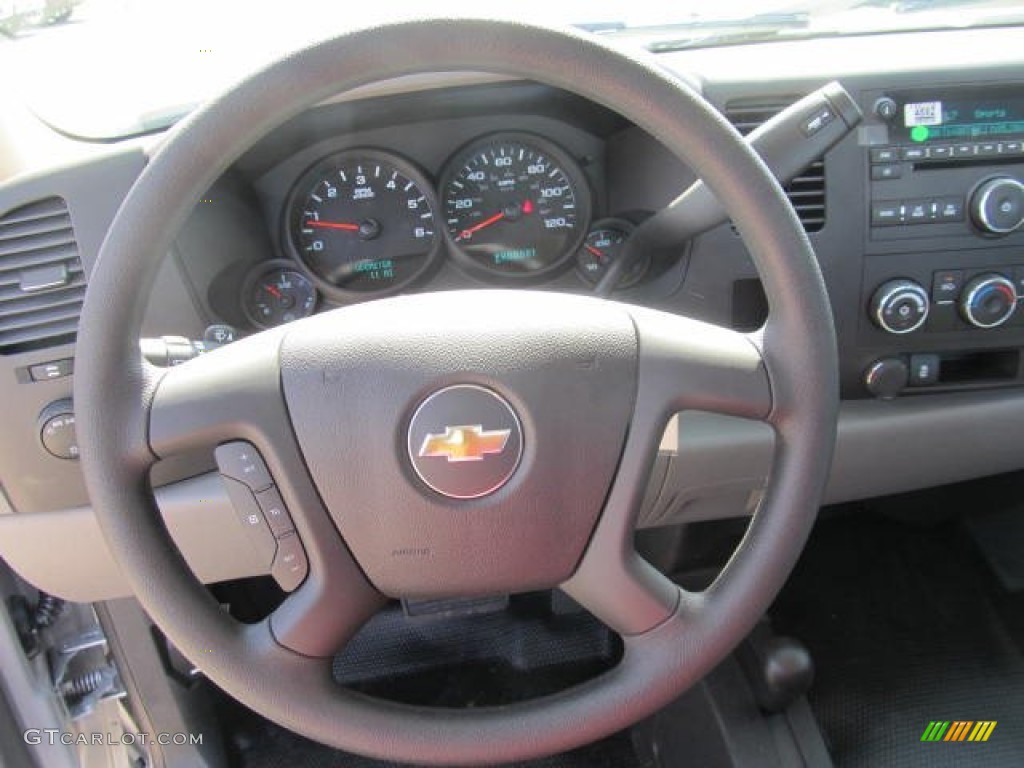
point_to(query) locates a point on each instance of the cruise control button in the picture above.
(274, 511)
(250, 516)
(290, 565)
(946, 285)
(243, 462)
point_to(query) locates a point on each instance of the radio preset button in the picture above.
(914, 154)
(940, 153)
(963, 150)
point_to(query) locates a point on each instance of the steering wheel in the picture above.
(341, 406)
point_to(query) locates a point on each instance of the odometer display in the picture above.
(363, 222)
(515, 204)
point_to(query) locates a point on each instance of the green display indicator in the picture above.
(519, 254)
(920, 133)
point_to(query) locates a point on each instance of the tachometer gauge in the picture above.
(277, 293)
(362, 221)
(602, 247)
(514, 204)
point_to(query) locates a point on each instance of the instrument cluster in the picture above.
(364, 222)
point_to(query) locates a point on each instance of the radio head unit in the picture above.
(924, 117)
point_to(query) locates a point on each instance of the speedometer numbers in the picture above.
(363, 222)
(514, 204)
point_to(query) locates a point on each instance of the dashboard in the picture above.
(464, 181)
(515, 186)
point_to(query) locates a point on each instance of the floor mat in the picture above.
(273, 747)
(905, 626)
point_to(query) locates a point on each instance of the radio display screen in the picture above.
(963, 117)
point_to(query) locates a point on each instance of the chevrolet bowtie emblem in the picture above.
(466, 443)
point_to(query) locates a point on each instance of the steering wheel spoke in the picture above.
(234, 394)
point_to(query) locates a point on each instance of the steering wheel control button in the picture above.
(900, 306)
(252, 519)
(275, 512)
(57, 430)
(241, 461)
(465, 441)
(988, 300)
(290, 565)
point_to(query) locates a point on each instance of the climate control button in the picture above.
(899, 306)
(988, 300)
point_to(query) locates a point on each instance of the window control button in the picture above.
(241, 461)
(275, 512)
(290, 565)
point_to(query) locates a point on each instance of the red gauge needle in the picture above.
(333, 225)
(477, 227)
(272, 290)
(593, 250)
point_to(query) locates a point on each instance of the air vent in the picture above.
(807, 191)
(41, 278)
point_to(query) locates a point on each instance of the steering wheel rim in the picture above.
(785, 375)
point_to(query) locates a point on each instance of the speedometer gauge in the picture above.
(362, 221)
(515, 204)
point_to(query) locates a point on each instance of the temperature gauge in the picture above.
(602, 246)
(277, 294)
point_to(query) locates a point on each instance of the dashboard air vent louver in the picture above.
(807, 191)
(42, 282)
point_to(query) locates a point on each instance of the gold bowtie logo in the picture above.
(467, 443)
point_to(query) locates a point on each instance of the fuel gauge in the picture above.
(277, 293)
(602, 246)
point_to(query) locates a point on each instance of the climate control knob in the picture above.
(997, 205)
(988, 300)
(899, 306)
